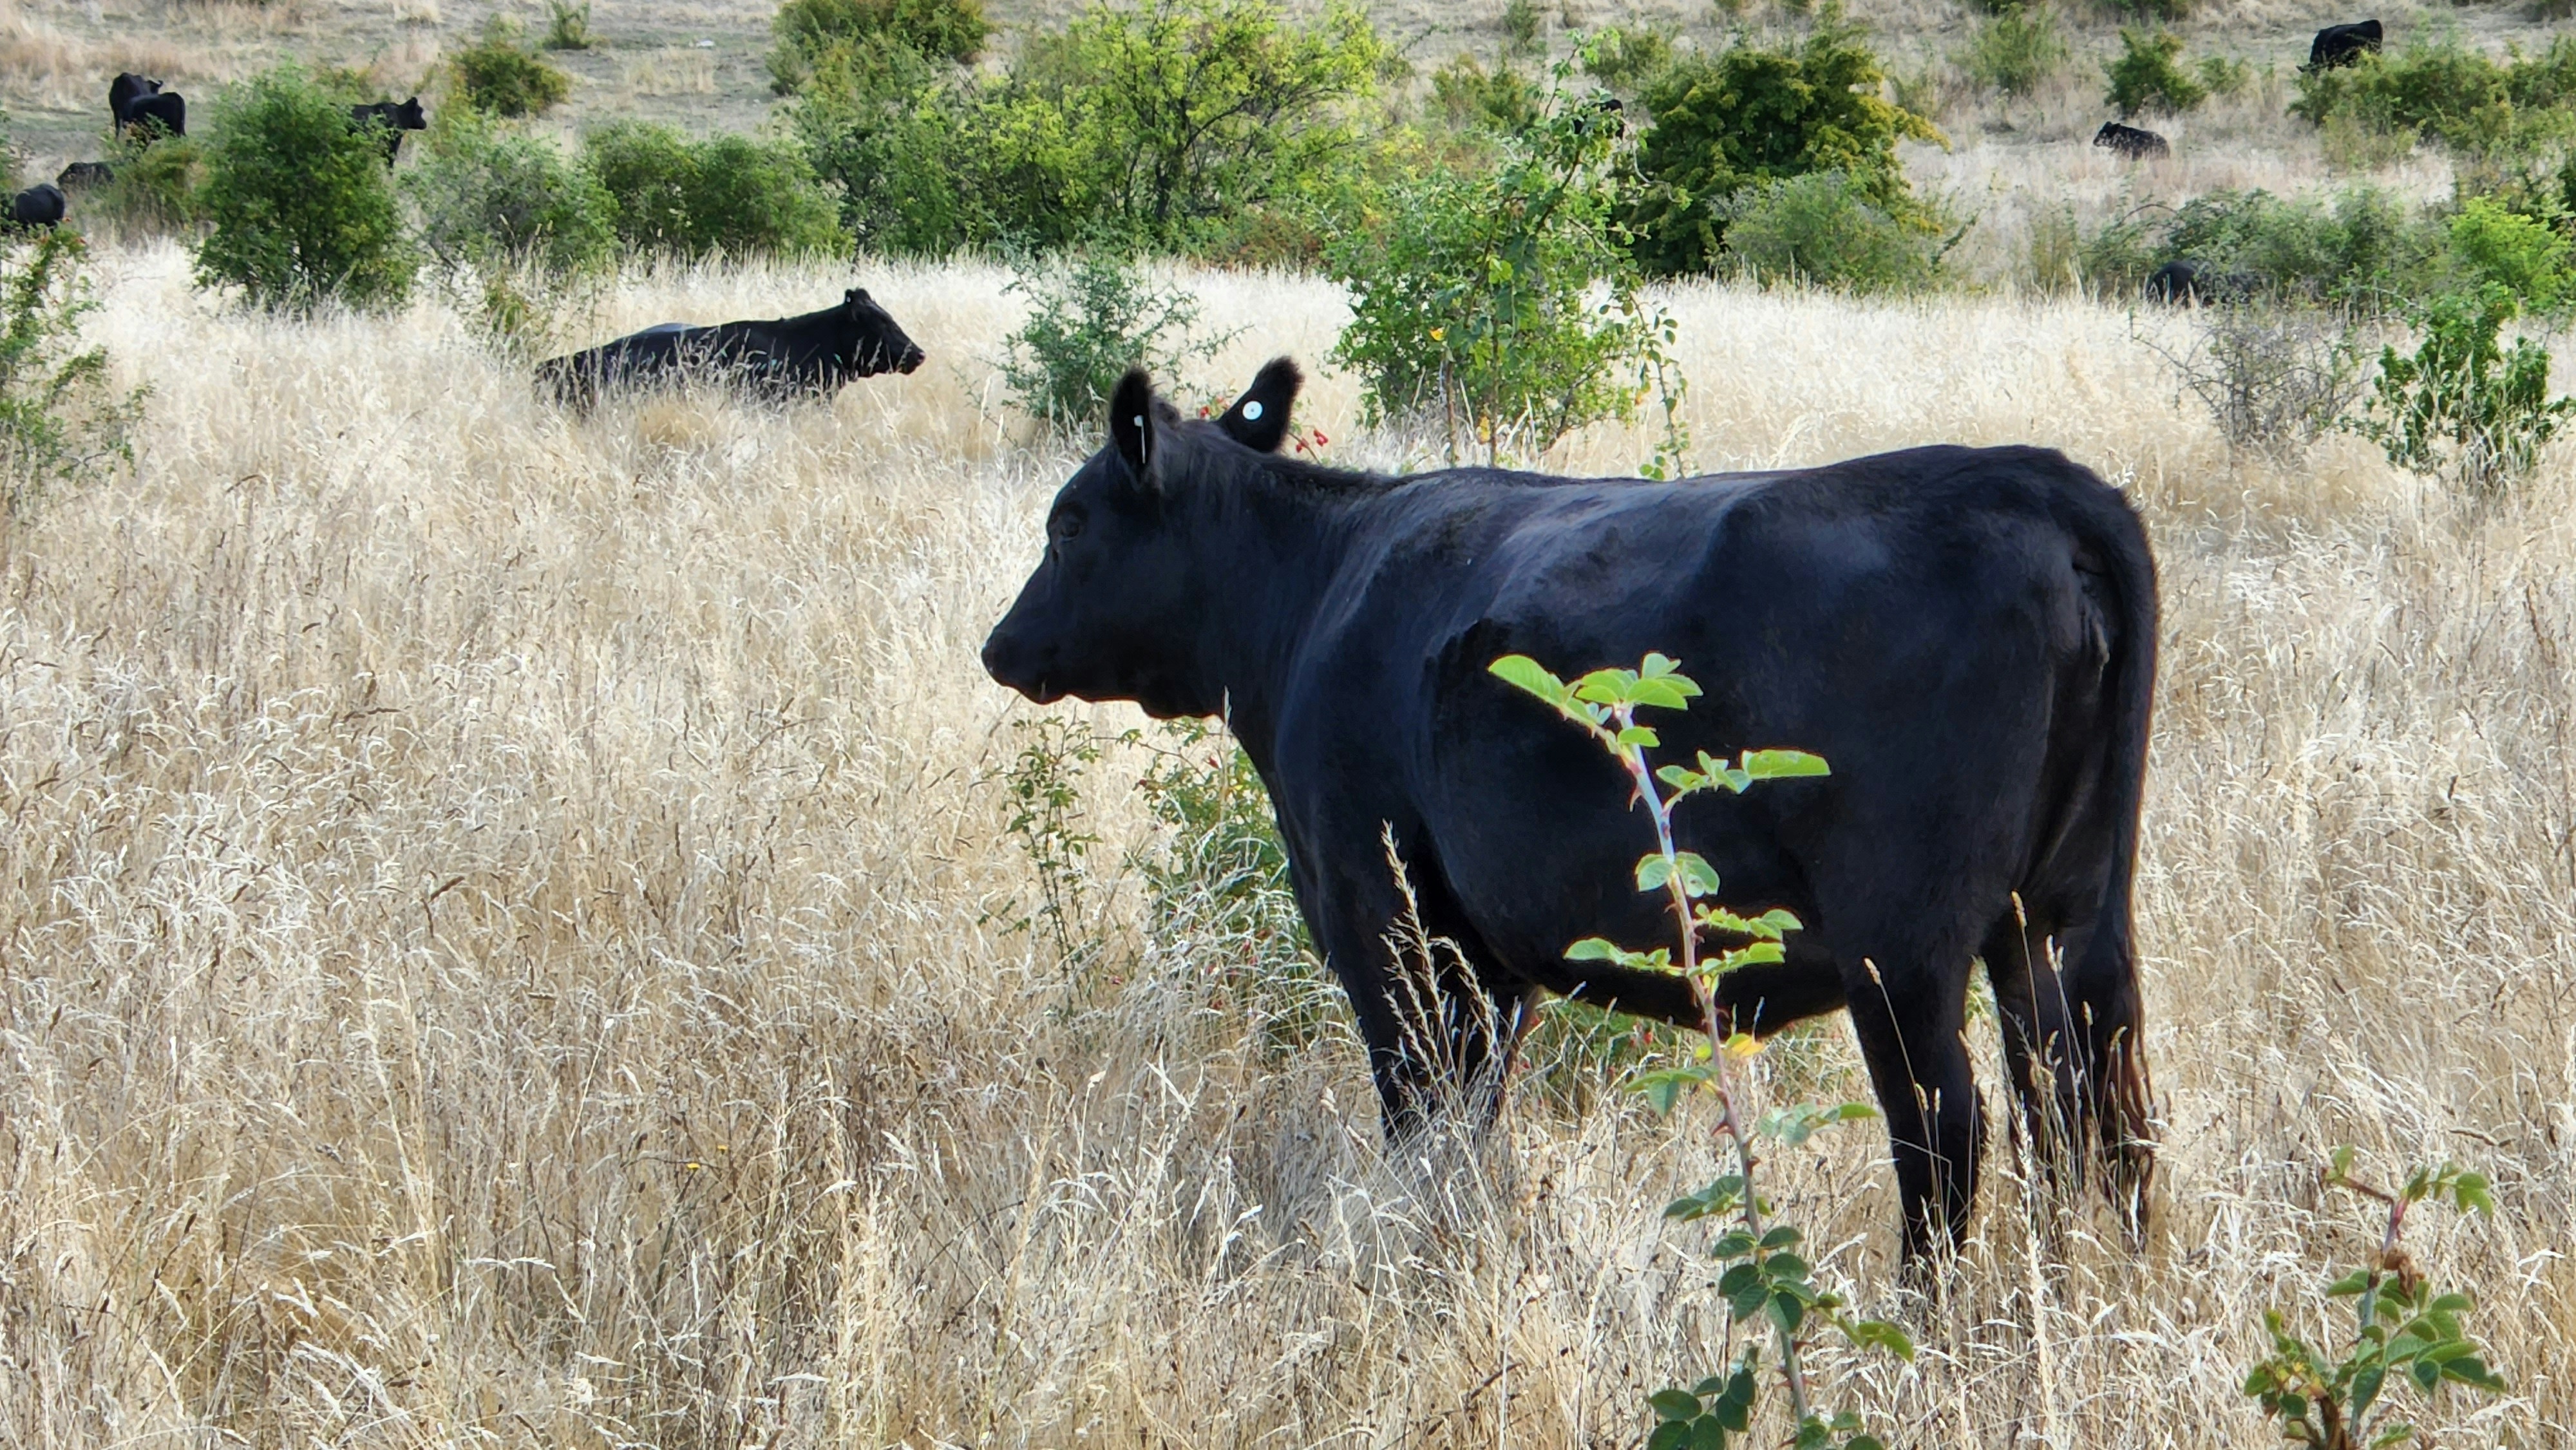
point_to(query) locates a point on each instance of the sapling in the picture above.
(1765, 1279)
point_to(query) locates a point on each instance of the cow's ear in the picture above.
(1132, 424)
(1259, 419)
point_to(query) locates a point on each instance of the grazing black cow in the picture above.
(84, 174)
(2341, 45)
(167, 110)
(395, 119)
(40, 205)
(124, 91)
(2131, 142)
(1968, 636)
(2185, 281)
(815, 353)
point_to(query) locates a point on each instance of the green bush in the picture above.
(808, 30)
(2441, 89)
(499, 74)
(2146, 77)
(1501, 100)
(1821, 229)
(568, 25)
(2526, 257)
(301, 205)
(1625, 59)
(2463, 404)
(61, 421)
(489, 198)
(1718, 124)
(154, 190)
(727, 193)
(1501, 299)
(890, 129)
(2015, 50)
(2360, 248)
(1090, 319)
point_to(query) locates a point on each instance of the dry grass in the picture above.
(497, 945)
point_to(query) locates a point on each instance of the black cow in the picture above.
(2341, 45)
(2185, 281)
(85, 173)
(168, 110)
(2131, 142)
(1968, 636)
(40, 205)
(395, 119)
(815, 353)
(124, 91)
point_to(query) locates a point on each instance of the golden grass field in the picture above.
(496, 936)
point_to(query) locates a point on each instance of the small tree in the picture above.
(2016, 49)
(302, 208)
(489, 197)
(2146, 77)
(1091, 319)
(729, 193)
(60, 418)
(499, 74)
(809, 30)
(1821, 229)
(2464, 404)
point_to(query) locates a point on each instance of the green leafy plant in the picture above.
(1042, 787)
(1522, 26)
(1765, 1281)
(2525, 255)
(2404, 1331)
(1820, 229)
(568, 25)
(499, 74)
(154, 190)
(487, 197)
(809, 30)
(734, 194)
(1502, 301)
(1625, 58)
(1750, 114)
(2015, 50)
(61, 419)
(2440, 88)
(301, 206)
(893, 132)
(1092, 317)
(2463, 403)
(2148, 77)
(1501, 100)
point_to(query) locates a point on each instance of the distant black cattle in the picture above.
(817, 352)
(40, 205)
(2131, 142)
(395, 119)
(124, 91)
(85, 173)
(1966, 635)
(166, 109)
(2184, 281)
(2339, 45)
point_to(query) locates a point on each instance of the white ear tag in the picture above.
(1252, 411)
(1140, 420)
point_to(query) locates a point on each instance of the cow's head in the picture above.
(877, 344)
(1114, 608)
(410, 117)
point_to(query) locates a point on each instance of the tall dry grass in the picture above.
(497, 937)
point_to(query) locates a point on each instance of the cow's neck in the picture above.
(1273, 550)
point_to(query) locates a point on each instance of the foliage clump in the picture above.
(1821, 229)
(809, 31)
(2443, 90)
(1751, 115)
(61, 418)
(2148, 75)
(1091, 318)
(488, 197)
(691, 198)
(2463, 404)
(498, 73)
(2015, 50)
(301, 207)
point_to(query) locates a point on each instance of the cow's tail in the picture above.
(2103, 984)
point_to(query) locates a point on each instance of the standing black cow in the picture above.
(2131, 142)
(84, 174)
(40, 205)
(2341, 45)
(124, 91)
(817, 352)
(1968, 636)
(395, 119)
(134, 100)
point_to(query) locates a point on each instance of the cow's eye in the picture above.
(1068, 523)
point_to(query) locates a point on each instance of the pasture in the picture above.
(507, 932)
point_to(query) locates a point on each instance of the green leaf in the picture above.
(2365, 1389)
(1637, 737)
(2352, 1283)
(1670, 692)
(1682, 781)
(1653, 872)
(2471, 1369)
(1665, 1085)
(1675, 1404)
(1605, 687)
(1787, 1310)
(1698, 877)
(1782, 1237)
(2471, 1193)
(1782, 764)
(1670, 1435)
(1879, 1334)
(1785, 1268)
(1528, 674)
(1601, 949)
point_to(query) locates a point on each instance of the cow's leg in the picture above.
(2040, 1051)
(1908, 1009)
(2107, 1018)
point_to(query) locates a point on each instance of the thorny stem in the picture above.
(1633, 759)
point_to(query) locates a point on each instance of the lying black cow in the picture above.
(2185, 281)
(2342, 45)
(40, 205)
(815, 353)
(395, 119)
(84, 174)
(2131, 142)
(1968, 636)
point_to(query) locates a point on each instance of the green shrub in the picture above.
(2146, 77)
(1820, 229)
(2442, 89)
(1501, 100)
(568, 25)
(808, 30)
(1626, 59)
(2463, 404)
(489, 198)
(2154, 11)
(2360, 248)
(1090, 319)
(891, 131)
(2224, 75)
(1521, 25)
(61, 421)
(1718, 124)
(155, 188)
(301, 205)
(2525, 256)
(727, 193)
(1501, 299)
(2015, 50)
(499, 74)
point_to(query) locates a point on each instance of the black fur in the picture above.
(40, 205)
(817, 352)
(166, 110)
(395, 118)
(1968, 636)
(2131, 142)
(85, 173)
(2184, 281)
(2342, 45)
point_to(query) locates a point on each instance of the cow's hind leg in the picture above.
(2068, 997)
(2041, 1051)
(1908, 1011)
